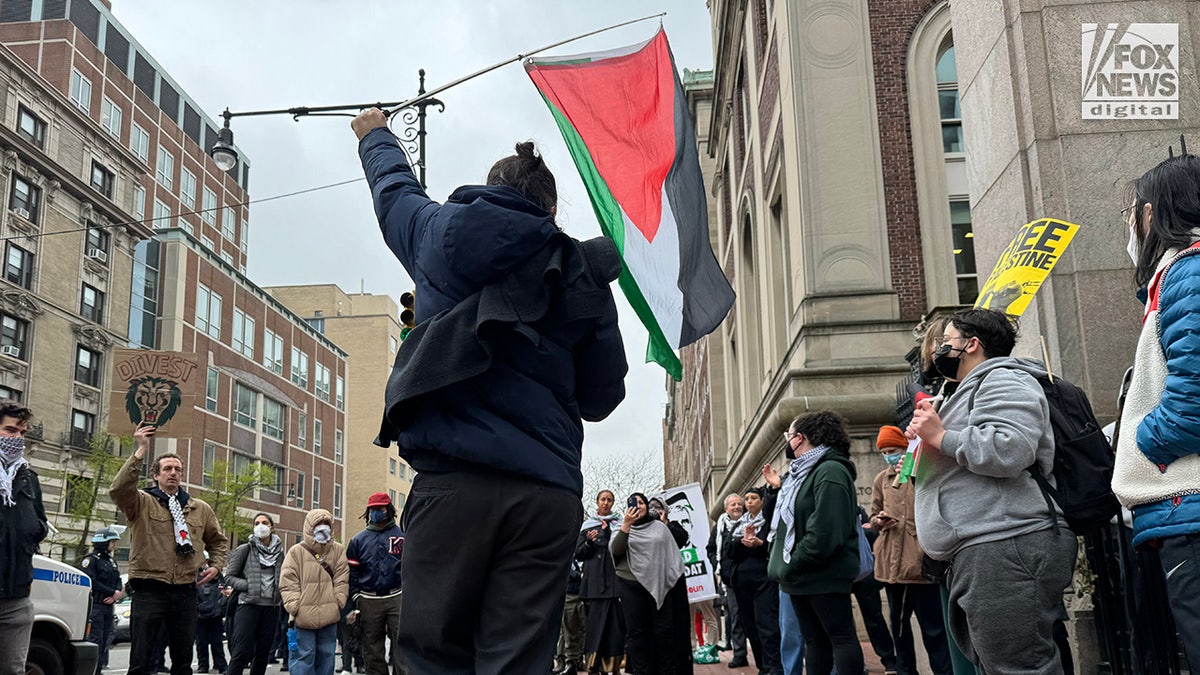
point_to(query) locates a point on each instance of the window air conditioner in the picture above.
(97, 254)
(10, 350)
(24, 213)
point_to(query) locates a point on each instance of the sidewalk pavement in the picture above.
(874, 667)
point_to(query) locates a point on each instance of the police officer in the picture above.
(106, 589)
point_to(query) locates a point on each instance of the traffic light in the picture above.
(408, 316)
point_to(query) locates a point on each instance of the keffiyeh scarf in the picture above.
(175, 504)
(12, 458)
(595, 520)
(756, 520)
(785, 507)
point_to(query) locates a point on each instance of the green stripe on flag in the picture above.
(608, 212)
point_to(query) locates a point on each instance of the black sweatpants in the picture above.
(210, 638)
(923, 600)
(485, 572)
(827, 623)
(1181, 566)
(758, 608)
(157, 606)
(253, 636)
(871, 608)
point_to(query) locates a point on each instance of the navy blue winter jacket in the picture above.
(544, 372)
(374, 558)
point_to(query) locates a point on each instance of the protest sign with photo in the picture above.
(1024, 265)
(685, 505)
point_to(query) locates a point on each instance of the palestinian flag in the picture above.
(628, 128)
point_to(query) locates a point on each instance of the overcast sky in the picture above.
(284, 53)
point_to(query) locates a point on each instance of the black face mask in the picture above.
(944, 363)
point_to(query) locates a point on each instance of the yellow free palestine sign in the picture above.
(1025, 264)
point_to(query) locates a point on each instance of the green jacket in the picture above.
(825, 552)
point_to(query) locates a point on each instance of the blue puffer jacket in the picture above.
(1171, 431)
(524, 414)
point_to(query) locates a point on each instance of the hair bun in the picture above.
(526, 151)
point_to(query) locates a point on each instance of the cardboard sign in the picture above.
(1024, 265)
(153, 387)
(685, 505)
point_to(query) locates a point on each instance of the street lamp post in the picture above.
(411, 136)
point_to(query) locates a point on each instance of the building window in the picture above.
(78, 490)
(341, 393)
(139, 202)
(245, 236)
(400, 502)
(212, 388)
(18, 266)
(241, 463)
(13, 335)
(392, 466)
(97, 240)
(337, 500)
(401, 471)
(243, 333)
(210, 463)
(81, 90)
(87, 366)
(316, 493)
(317, 436)
(102, 179)
(139, 142)
(110, 117)
(207, 243)
(91, 304)
(273, 417)
(321, 383)
(245, 405)
(299, 368)
(300, 480)
(208, 312)
(272, 352)
(228, 224)
(948, 102)
(392, 495)
(317, 324)
(31, 127)
(964, 252)
(24, 198)
(339, 442)
(302, 432)
(227, 258)
(165, 173)
(209, 207)
(83, 425)
(187, 188)
(10, 394)
(162, 215)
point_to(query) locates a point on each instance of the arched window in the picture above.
(940, 157)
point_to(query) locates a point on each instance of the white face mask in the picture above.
(322, 534)
(262, 530)
(1133, 247)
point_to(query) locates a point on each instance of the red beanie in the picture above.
(891, 437)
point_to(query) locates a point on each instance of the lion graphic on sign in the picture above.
(152, 400)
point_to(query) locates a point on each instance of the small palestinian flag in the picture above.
(629, 130)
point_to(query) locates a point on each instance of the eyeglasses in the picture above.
(939, 341)
(788, 436)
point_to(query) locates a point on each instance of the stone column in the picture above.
(1022, 71)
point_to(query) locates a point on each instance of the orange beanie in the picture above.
(891, 437)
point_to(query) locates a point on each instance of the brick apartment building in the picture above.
(87, 110)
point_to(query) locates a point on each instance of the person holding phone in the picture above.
(653, 589)
(898, 563)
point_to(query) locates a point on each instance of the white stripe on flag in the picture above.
(655, 268)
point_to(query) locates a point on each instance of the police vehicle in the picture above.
(62, 597)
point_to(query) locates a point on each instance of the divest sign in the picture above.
(1130, 71)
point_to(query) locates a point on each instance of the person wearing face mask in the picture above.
(653, 590)
(1158, 447)
(22, 528)
(253, 574)
(978, 506)
(374, 557)
(315, 585)
(898, 563)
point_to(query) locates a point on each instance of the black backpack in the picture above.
(1083, 459)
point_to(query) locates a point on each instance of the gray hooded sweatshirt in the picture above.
(976, 489)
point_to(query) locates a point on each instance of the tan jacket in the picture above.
(897, 553)
(310, 596)
(152, 531)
